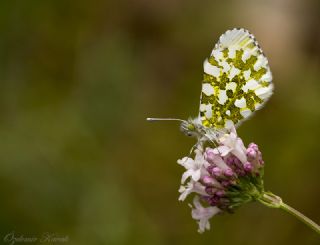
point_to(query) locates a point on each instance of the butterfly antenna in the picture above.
(152, 119)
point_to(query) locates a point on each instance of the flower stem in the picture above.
(273, 201)
(301, 217)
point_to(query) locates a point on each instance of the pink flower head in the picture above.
(222, 177)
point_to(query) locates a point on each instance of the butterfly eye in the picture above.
(189, 134)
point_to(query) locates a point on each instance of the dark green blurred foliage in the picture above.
(78, 80)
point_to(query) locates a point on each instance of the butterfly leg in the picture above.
(195, 146)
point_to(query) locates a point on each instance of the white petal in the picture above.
(183, 196)
(200, 189)
(240, 154)
(203, 224)
(184, 193)
(203, 214)
(186, 162)
(186, 175)
(220, 163)
(192, 186)
(224, 150)
(197, 203)
(196, 175)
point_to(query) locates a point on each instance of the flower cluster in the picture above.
(223, 177)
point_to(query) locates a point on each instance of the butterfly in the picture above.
(237, 81)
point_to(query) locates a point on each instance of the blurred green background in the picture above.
(78, 79)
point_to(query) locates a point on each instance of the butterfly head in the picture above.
(192, 127)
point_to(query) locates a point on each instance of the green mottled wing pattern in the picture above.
(236, 82)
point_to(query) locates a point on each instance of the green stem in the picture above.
(273, 201)
(301, 217)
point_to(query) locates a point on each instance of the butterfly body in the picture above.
(193, 127)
